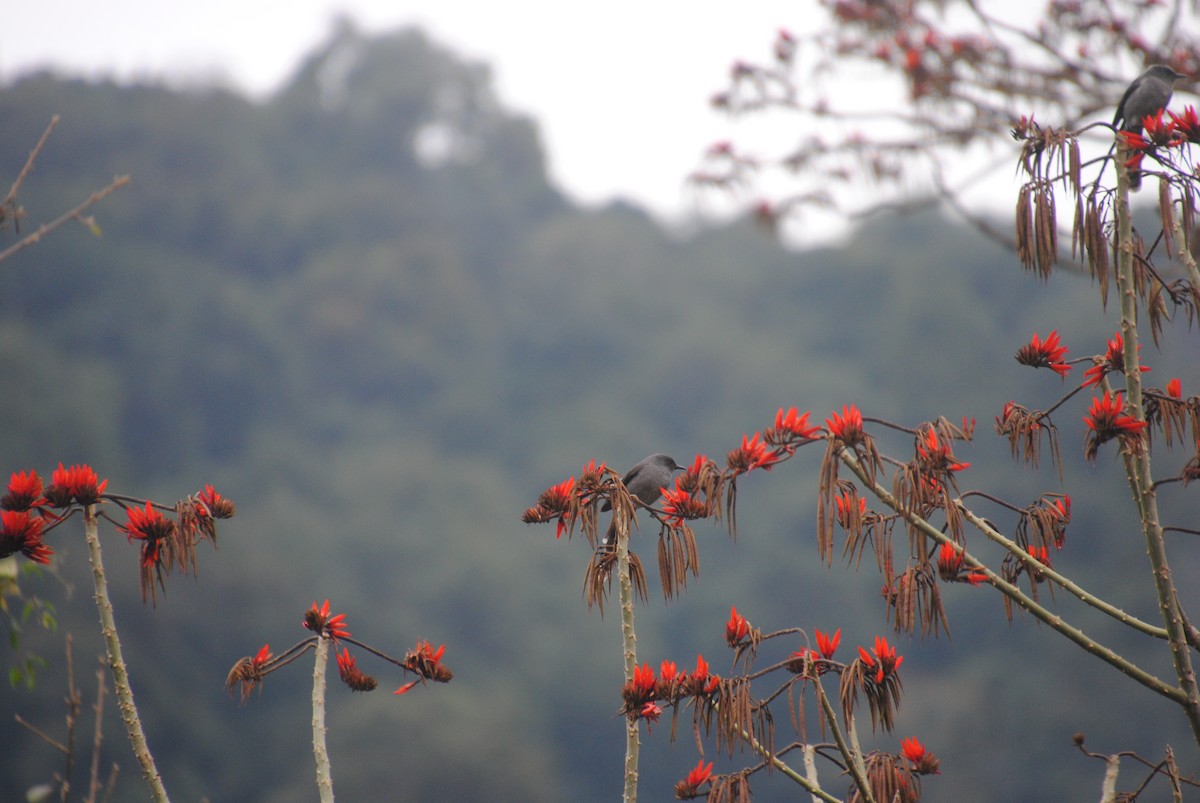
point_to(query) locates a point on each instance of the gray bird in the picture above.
(645, 481)
(1149, 92)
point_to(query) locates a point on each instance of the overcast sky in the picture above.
(620, 88)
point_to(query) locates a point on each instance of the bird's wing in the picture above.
(1129, 90)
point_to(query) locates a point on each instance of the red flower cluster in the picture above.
(425, 661)
(153, 529)
(847, 427)
(351, 675)
(1175, 388)
(737, 628)
(845, 507)
(1113, 360)
(935, 457)
(24, 492)
(679, 504)
(752, 454)
(1107, 419)
(213, 504)
(555, 503)
(924, 762)
(790, 427)
(883, 659)
(21, 532)
(820, 657)
(1045, 354)
(641, 695)
(950, 564)
(77, 484)
(689, 787)
(320, 622)
(1039, 553)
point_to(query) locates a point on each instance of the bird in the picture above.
(1149, 93)
(645, 480)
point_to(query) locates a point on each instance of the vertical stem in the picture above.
(629, 650)
(116, 662)
(320, 751)
(1137, 465)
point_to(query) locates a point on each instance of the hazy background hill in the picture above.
(360, 309)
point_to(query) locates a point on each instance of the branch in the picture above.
(1055, 622)
(108, 627)
(320, 750)
(44, 229)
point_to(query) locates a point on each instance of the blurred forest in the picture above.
(363, 312)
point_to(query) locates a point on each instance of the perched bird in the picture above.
(1149, 93)
(645, 481)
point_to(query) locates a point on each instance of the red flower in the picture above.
(152, 528)
(847, 427)
(792, 425)
(351, 675)
(828, 645)
(1107, 419)
(643, 679)
(1187, 124)
(752, 454)
(78, 483)
(884, 660)
(689, 787)
(924, 761)
(668, 672)
(1038, 553)
(20, 532)
(937, 457)
(737, 628)
(555, 502)
(650, 711)
(1048, 354)
(1174, 390)
(214, 504)
(1135, 142)
(699, 682)
(426, 662)
(24, 492)
(1113, 360)
(262, 657)
(678, 504)
(639, 692)
(949, 562)
(1158, 131)
(320, 622)
(845, 506)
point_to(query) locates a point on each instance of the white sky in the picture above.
(619, 89)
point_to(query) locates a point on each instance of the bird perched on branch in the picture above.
(1149, 93)
(645, 481)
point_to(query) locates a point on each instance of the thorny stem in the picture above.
(1137, 465)
(1059, 579)
(853, 753)
(320, 750)
(629, 649)
(116, 662)
(1106, 654)
(810, 784)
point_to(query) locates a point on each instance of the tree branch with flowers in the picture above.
(892, 490)
(30, 511)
